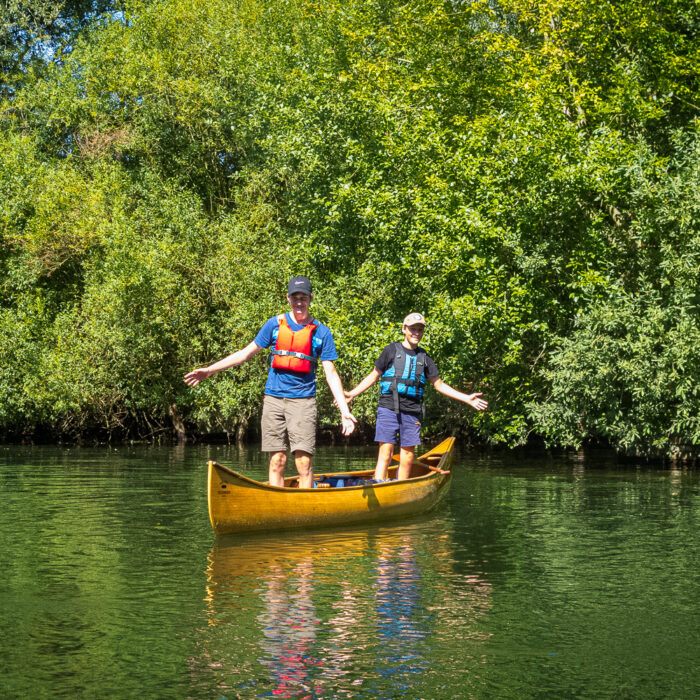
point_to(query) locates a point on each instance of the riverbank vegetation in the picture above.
(526, 174)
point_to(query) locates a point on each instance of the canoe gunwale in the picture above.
(431, 472)
(295, 489)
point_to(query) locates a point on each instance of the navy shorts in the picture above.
(389, 424)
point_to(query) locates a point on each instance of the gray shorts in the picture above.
(288, 423)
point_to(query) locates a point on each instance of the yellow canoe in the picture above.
(240, 504)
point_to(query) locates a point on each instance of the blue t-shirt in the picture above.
(295, 385)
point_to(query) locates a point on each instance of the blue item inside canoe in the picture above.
(337, 482)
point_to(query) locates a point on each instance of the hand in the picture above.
(478, 404)
(348, 422)
(197, 375)
(349, 396)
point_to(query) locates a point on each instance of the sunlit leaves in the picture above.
(506, 168)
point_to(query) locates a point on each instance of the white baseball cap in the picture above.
(414, 318)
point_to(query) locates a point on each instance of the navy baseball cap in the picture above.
(299, 284)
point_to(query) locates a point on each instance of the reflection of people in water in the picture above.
(289, 625)
(401, 622)
(336, 614)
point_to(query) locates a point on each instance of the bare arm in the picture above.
(365, 384)
(474, 400)
(238, 358)
(336, 387)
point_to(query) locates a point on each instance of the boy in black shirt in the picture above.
(403, 368)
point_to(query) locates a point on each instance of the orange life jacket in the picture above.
(293, 348)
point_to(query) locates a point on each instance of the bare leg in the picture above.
(406, 462)
(305, 469)
(278, 461)
(386, 451)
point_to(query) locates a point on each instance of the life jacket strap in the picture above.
(299, 355)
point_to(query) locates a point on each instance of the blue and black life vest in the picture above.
(405, 376)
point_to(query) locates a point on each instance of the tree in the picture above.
(497, 166)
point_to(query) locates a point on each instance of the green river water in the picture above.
(538, 577)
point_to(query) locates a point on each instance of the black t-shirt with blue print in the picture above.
(407, 404)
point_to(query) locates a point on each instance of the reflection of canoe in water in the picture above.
(240, 504)
(261, 553)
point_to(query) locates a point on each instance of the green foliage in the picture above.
(626, 376)
(628, 373)
(41, 31)
(518, 172)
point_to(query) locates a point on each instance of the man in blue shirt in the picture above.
(289, 408)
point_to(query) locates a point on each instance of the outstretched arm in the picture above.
(336, 387)
(365, 384)
(238, 358)
(474, 400)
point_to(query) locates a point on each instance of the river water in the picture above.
(538, 577)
